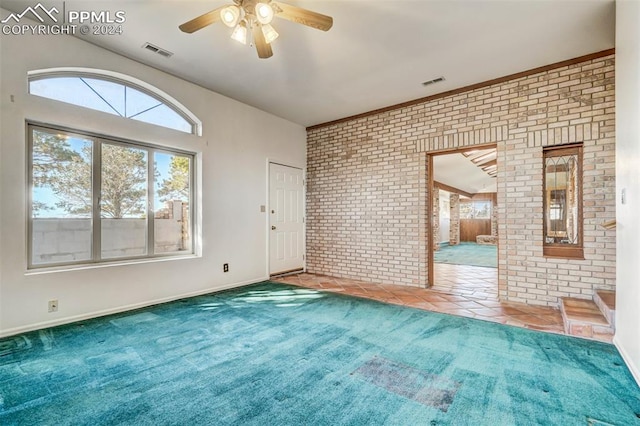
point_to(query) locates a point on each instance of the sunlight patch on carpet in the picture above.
(426, 388)
(134, 319)
(282, 298)
(14, 344)
(594, 422)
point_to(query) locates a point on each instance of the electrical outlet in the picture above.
(225, 267)
(53, 305)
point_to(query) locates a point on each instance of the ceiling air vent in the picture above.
(434, 81)
(155, 49)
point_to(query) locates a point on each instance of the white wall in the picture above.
(232, 172)
(444, 217)
(627, 337)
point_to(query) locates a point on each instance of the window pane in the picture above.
(561, 215)
(65, 191)
(482, 209)
(71, 90)
(475, 210)
(109, 93)
(172, 203)
(110, 97)
(138, 102)
(164, 116)
(61, 198)
(123, 201)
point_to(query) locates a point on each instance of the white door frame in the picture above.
(267, 225)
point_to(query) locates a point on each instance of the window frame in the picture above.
(473, 203)
(123, 79)
(96, 220)
(567, 251)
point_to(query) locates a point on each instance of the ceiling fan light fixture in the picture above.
(264, 13)
(270, 34)
(230, 16)
(239, 33)
(250, 21)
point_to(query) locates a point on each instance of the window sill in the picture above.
(69, 268)
(564, 253)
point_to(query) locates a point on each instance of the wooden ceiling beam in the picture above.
(493, 162)
(448, 188)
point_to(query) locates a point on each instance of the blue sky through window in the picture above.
(45, 195)
(110, 97)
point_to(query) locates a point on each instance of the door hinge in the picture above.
(303, 257)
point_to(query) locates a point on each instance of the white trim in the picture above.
(97, 265)
(268, 218)
(79, 71)
(627, 359)
(267, 223)
(96, 259)
(97, 314)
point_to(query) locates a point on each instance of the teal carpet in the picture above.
(273, 354)
(468, 254)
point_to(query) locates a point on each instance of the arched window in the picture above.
(113, 93)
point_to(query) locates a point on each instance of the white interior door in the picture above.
(286, 219)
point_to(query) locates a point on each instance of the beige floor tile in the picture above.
(461, 290)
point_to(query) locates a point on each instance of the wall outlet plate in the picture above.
(53, 305)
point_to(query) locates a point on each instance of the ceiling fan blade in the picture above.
(263, 48)
(304, 16)
(201, 21)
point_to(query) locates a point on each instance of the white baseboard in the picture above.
(119, 309)
(627, 359)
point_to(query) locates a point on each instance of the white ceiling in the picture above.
(458, 171)
(377, 54)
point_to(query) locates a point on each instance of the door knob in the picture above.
(273, 228)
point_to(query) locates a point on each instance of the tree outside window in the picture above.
(475, 209)
(132, 207)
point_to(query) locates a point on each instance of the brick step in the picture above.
(606, 301)
(583, 318)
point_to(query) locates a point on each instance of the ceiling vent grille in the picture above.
(155, 49)
(434, 81)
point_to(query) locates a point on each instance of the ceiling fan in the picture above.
(254, 17)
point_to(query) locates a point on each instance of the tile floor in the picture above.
(462, 290)
(463, 280)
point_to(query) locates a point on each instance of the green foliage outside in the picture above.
(67, 171)
(177, 186)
